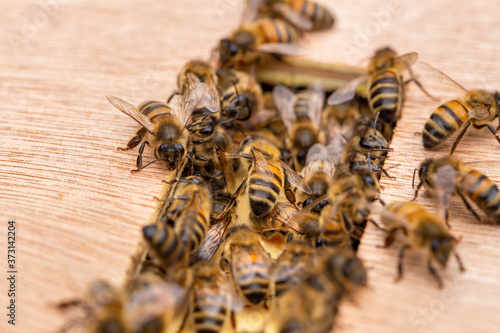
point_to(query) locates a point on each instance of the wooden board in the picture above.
(79, 210)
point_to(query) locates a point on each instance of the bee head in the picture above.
(239, 107)
(373, 139)
(423, 171)
(171, 154)
(383, 58)
(227, 51)
(441, 248)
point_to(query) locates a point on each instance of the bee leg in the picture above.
(459, 261)
(172, 96)
(291, 197)
(492, 130)
(231, 201)
(421, 88)
(459, 137)
(401, 256)
(469, 207)
(135, 140)
(139, 157)
(434, 273)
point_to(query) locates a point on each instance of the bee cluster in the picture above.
(270, 190)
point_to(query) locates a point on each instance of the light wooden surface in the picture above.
(79, 210)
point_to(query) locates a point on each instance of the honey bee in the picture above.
(241, 96)
(448, 176)
(262, 35)
(267, 176)
(163, 126)
(171, 241)
(334, 232)
(477, 108)
(305, 14)
(301, 114)
(248, 263)
(422, 230)
(212, 300)
(353, 195)
(364, 152)
(385, 84)
(290, 267)
(205, 118)
(317, 173)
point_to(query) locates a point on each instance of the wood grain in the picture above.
(79, 210)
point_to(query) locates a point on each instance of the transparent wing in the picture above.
(250, 11)
(132, 112)
(154, 301)
(284, 99)
(213, 239)
(348, 91)
(316, 156)
(444, 182)
(427, 70)
(211, 99)
(282, 48)
(260, 162)
(300, 21)
(183, 105)
(283, 215)
(295, 179)
(407, 60)
(317, 93)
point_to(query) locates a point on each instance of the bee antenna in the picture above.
(235, 88)
(375, 123)
(413, 180)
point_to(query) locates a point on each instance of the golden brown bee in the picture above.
(186, 223)
(267, 175)
(422, 230)
(262, 35)
(163, 125)
(363, 152)
(291, 265)
(212, 298)
(301, 114)
(205, 118)
(385, 84)
(241, 96)
(318, 174)
(353, 195)
(248, 263)
(448, 176)
(305, 14)
(334, 232)
(477, 108)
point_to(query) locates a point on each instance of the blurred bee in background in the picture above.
(163, 126)
(249, 264)
(477, 107)
(253, 36)
(448, 177)
(422, 230)
(333, 229)
(290, 268)
(184, 226)
(318, 174)
(305, 14)
(212, 298)
(267, 176)
(301, 114)
(385, 84)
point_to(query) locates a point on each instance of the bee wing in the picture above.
(211, 99)
(282, 48)
(132, 112)
(213, 238)
(428, 70)
(154, 301)
(284, 99)
(183, 106)
(295, 179)
(316, 154)
(348, 91)
(407, 60)
(318, 100)
(260, 162)
(250, 11)
(284, 213)
(444, 181)
(300, 21)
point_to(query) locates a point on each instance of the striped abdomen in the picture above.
(164, 243)
(155, 111)
(251, 273)
(264, 189)
(303, 104)
(319, 16)
(332, 231)
(483, 192)
(386, 95)
(193, 227)
(210, 309)
(275, 31)
(443, 123)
